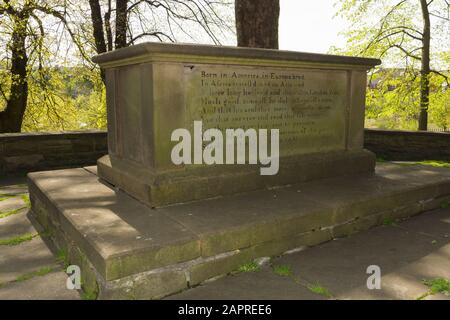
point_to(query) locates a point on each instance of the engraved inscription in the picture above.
(307, 106)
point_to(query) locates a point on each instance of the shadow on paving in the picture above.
(28, 269)
(407, 253)
(13, 182)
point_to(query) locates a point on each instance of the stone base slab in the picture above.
(164, 188)
(127, 250)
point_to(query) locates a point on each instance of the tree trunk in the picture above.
(108, 27)
(425, 69)
(97, 24)
(11, 118)
(99, 35)
(121, 23)
(257, 23)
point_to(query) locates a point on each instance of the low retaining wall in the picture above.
(408, 145)
(25, 152)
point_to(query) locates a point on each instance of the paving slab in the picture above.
(24, 258)
(114, 226)
(51, 286)
(226, 224)
(13, 185)
(436, 224)
(341, 265)
(10, 203)
(16, 225)
(404, 254)
(127, 242)
(29, 257)
(92, 169)
(258, 285)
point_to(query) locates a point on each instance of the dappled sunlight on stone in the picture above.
(126, 239)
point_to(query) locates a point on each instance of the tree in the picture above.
(23, 22)
(40, 35)
(121, 23)
(425, 68)
(16, 101)
(401, 32)
(170, 19)
(257, 23)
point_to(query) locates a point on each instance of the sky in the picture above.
(309, 26)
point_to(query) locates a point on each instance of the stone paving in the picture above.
(28, 268)
(407, 253)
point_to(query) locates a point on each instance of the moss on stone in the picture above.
(18, 239)
(39, 273)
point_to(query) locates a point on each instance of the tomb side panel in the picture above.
(309, 107)
(128, 113)
(357, 101)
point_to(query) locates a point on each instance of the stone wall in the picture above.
(408, 145)
(25, 152)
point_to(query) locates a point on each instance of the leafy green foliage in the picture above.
(71, 99)
(392, 31)
(283, 270)
(438, 285)
(249, 267)
(61, 98)
(318, 289)
(393, 104)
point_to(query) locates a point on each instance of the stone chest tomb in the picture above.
(316, 101)
(158, 228)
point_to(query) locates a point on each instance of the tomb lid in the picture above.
(146, 51)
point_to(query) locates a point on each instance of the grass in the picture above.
(445, 205)
(62, 257)
(286, 271)
(39, 273)
(18, 239)
(4, 214)
(91, 293)
(6, 196)
(388, 222)
(88, 295)
(282, 270)
(438, 285)
(249, 267)
(318, 289)
(434, 163)
(26, 200)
